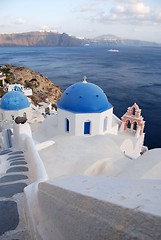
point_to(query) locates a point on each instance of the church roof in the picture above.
(84, 97)
(14, 100)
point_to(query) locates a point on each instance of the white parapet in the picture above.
(80, 207)
(43, 145)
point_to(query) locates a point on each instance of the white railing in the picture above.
(36, 165)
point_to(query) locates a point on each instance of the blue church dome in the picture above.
(84, 97)
(14, 100)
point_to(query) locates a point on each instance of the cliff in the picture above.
(52, 38)
(39, 39)
(43, 89)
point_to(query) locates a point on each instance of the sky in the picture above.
(132, 19)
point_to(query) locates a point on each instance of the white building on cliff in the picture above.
(18, 87)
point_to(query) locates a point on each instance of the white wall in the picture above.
(19, 130)
(69, 211)
(76, 122)
(7, 115)
(62, 115)
(127, 147)
(23, 140)
(132, 146)
(138, 145)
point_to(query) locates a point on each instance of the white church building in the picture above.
(84, 109)
(14, 104)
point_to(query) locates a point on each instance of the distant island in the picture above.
(53, 38)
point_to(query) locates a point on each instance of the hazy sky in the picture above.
(134, 19)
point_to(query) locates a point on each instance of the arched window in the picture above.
(128, 124)
(105, 124)
(134, 110)
(135, 126)
(67, 124)
(87, 126)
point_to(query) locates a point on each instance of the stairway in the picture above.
(13, 224)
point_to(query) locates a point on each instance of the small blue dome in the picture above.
(16, 88)
(84, 98)
(14, 100)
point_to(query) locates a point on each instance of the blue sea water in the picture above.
(132, 75)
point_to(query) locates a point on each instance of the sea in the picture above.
(132, 75)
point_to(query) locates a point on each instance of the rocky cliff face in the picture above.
(52, 38)
(39, 39)
(43, 88)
